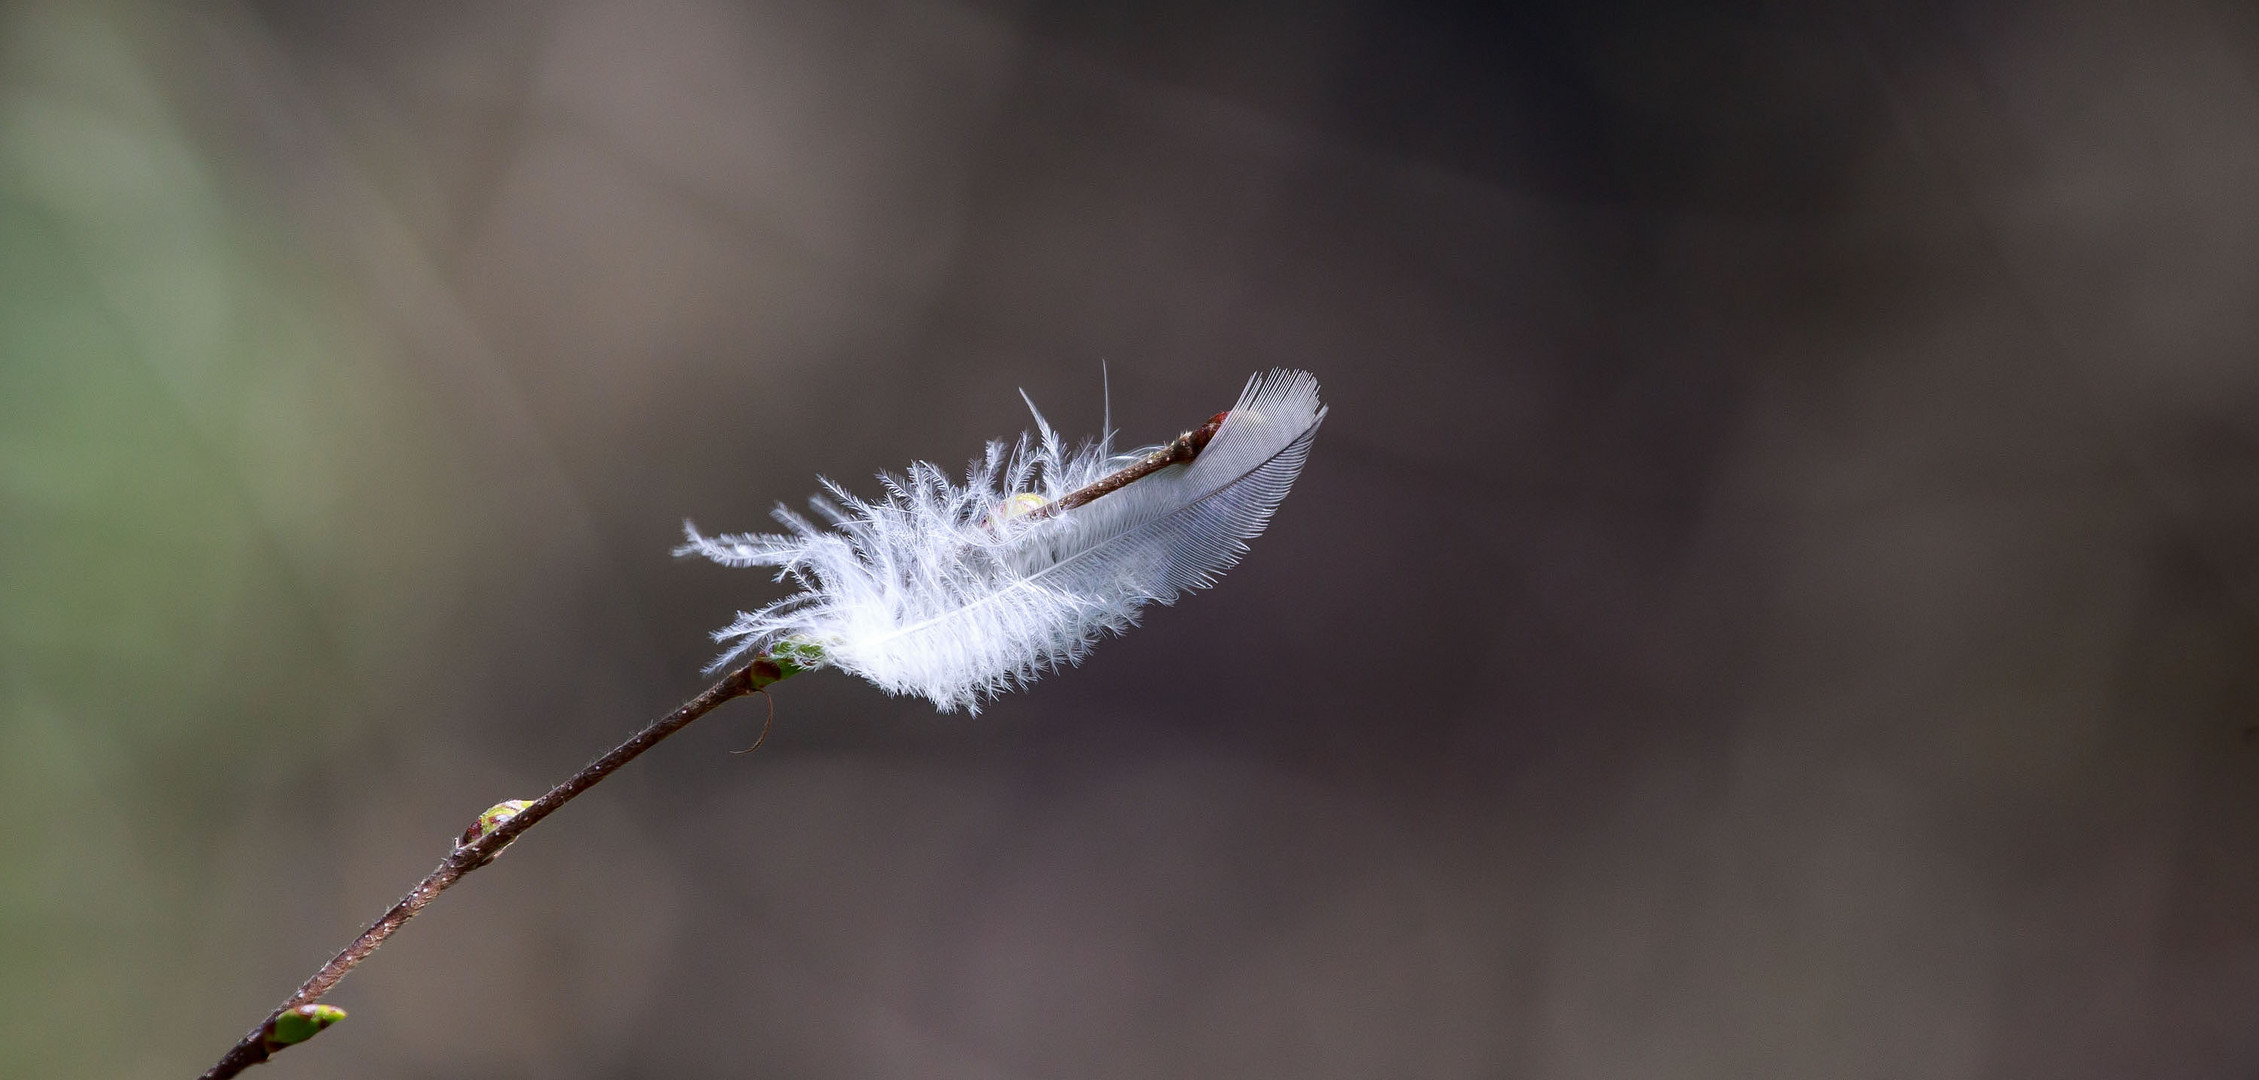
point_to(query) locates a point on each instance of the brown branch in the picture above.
(1179, 450)
(479, 846)
(485, 839)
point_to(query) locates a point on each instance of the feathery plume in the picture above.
(958, 593)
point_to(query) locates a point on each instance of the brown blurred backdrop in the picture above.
(1776, 596)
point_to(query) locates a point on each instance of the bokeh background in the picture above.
(1776, 595)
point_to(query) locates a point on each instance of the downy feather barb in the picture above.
(957, 593)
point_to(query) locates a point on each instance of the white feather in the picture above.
(952, 593)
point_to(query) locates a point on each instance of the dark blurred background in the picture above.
(1775, 597)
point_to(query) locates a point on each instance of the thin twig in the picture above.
(476, 850)
(1179, 450)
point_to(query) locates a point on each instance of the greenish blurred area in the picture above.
(198, 500)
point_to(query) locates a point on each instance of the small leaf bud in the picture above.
(297, 1025)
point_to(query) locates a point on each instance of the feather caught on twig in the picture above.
(958, 592)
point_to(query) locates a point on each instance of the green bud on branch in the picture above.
(791, 656)
(491, 820)
(297, 1025)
